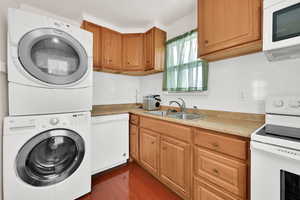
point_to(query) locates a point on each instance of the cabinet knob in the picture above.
(164, 148)
(206, 41)
(215, 145)
(153, 142)
(128, 63)
(215, 171)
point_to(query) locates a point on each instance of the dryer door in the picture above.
(50, 157)
(53, 56)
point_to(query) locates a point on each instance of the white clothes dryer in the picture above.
(49, 65)
(46, 157)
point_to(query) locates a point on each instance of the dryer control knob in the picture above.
(54, 121)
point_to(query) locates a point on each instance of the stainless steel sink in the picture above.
(186, 116)
(180, 115)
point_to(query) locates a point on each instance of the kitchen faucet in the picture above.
(182, 106)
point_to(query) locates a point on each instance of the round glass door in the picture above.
(52, 56)
(50, 157)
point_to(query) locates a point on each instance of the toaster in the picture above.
(151, 102)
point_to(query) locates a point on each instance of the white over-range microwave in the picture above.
(281, 35)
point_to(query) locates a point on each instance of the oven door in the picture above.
(281, 24)
(275, 172)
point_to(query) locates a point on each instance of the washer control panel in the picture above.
(285, 105)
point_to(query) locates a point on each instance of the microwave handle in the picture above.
(284, 152)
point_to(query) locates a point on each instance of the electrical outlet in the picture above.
(242, 96)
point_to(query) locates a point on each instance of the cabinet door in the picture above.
(175, 164)
(93, 28)
(133, 52)
(205, 191)
(227, 23)
(111, 49)
(148, 49)
(116, 50)
(149, 150)
(134, 142)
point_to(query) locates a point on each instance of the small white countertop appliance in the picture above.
(275, 152)
(281, 35)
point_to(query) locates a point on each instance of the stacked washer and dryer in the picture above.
(47, 134)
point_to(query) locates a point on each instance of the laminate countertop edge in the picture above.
(237, 127)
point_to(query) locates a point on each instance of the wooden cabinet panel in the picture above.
(154, 49)
(95, 29)
(223, 144)
(111, 49)
(149, 150)
(134, 119)
(175, 165)
(228, 23)
(169, 129)
(148, 49)
(134, 142)
(205, 191)
(222, 171)
(133, 52)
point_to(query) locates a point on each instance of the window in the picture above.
(184, 71)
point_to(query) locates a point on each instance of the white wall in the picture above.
(114, 88)
(239, 84)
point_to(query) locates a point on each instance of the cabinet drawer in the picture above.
(223, 144)
(205, 191)
(222, 171)
(169, 129)
(134, 119)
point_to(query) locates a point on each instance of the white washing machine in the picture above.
(46, 157)
(49, 65)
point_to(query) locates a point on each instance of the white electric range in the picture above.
(275, 152)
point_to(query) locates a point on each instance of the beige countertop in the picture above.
(239, 124)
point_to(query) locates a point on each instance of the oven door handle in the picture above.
(280, 151)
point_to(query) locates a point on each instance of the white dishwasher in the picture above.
(110, 141)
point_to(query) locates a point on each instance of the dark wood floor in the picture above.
(129, 182)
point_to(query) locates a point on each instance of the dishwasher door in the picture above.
(110, 142)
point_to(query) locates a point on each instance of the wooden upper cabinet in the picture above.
(130, 54)
(148, 46)
(226, 27)
(93, 28)
(111, 49)
(133, 52)
(175, 165)
(154, 49)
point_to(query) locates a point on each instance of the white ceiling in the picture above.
(122, 13)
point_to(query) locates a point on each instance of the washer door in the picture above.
(53, 56)
(50, 157)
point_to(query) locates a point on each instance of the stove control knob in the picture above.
(295, 104)
(54, 121)
(278, 103)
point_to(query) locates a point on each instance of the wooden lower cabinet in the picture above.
(175, 165)
(206, 191)
(222, 171)
(187, 160)
(149, 150)
(134, 142)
